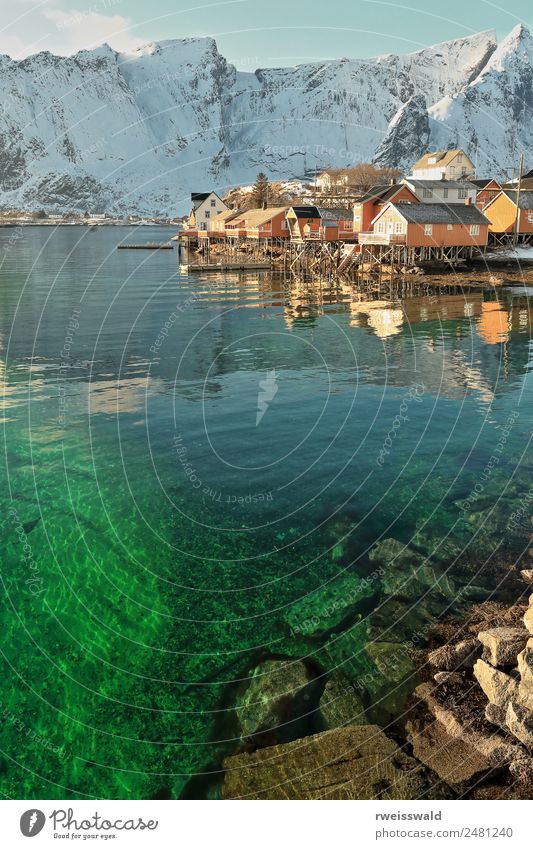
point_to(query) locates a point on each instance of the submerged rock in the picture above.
(276, 694)
(356, 762)
(331, 604)
(340, 704)
(392, 683)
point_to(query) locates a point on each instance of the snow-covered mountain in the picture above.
(106, 131)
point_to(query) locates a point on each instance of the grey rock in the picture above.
(519, 721)
(269, 701)
(497, 685)
(503, 645)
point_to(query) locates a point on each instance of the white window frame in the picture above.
(530, 216)
(426, 193)
(445, 193)
(428, 229)
(398, 227)
(450, 226)
(462, 194)
(474, 229)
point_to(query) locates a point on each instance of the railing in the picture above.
(382, 238)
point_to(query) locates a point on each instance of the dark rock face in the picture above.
(407, 137)
(356, 762)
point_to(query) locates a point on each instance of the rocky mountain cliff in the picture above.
(115, 132)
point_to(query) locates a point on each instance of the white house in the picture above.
(205, 206)
(442, 191)
(444, 165)
(334, 180)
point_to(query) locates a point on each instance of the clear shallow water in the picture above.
(195, 467)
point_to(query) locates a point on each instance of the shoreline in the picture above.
(465, 732)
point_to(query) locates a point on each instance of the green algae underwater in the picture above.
(205, 472)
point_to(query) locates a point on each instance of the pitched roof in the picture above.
(441, 157)
(483, 182)
(439, 184)
(226, 215)
(334, 214)
(440, 213)
(381, 192)
(373, 192)
(526, 198)
(306, 211)
(199, 196)
(257, 217)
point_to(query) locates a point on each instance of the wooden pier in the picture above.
(208, 252)
(148, 246)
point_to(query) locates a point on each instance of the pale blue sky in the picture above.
(250, 33)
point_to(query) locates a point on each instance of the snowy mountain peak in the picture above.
(112, 131)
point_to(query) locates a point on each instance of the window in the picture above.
(445, 193)
(207, 214)
(460, 158)
(426, 193)
(398, 227)
(381, 227)
(474, 229)
(284, 224)
(530, 216)
(213, 202)
(428, 229)
(452, 169)
(463, 170)
(462, 194)
(450, 226)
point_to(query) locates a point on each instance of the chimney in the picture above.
(392, 181)
(468, 202)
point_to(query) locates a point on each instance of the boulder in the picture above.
(340, 705)
(356, 762)
(525, 665)
(393, 682)
(527, 575)
(525, 695)
(502, 645)
(519, 721)
(498, 687)
(275, 695)
(528, 619)
(494, 748)
(454, 760)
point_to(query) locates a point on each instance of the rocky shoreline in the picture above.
(465, 732)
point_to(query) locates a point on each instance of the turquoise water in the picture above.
(195, 467)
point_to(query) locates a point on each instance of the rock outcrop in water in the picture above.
(473, 724)
(356, 762)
